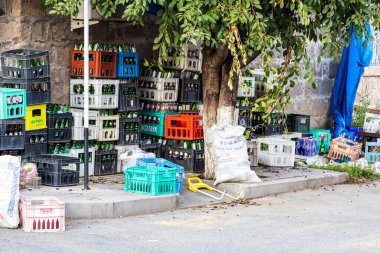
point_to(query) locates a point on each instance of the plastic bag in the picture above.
(229, 149)
(9, 191)
(27, 173)
(128, 159)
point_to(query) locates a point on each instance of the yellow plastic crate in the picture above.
(35, 118)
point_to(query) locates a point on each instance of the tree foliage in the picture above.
(275, 28)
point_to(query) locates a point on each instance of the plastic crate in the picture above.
(35, 118)
(127, 64)
(274, 128)
(158, 95)
(101, 64)
(56, 170)
(191, 160)
(105, 163)
(184, 127)
(38, 91)
(59, 127)
(372, 152)
(160, 162)
(306, 147)
(12, 134)
(42, 214)
(276, 152)
(155, 148)
(190, 91)
(253, 153)
(158, 83)
(246, 87)
(128, 102)
(110, 133)
(79, 153)
(190, 60)
(320, 134)
(151, 180)
(129, 136)
(343, 149)
(12, 103)
(99, 97)
(25, 64)
(298, 123)
(17, 152)
(245, 121)
(33, 148)
(153, 123)
(78, 125)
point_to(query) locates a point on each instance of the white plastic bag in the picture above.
(229, 148)
(129, 158)
(9, 191)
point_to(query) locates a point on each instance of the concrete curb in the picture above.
(267, 188)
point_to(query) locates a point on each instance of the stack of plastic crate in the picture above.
(187, 128)
(28, 70)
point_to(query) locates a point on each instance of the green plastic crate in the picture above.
(12, 103)
(155, 129)
(318, 134)
(371, 155)
(298, 123)
(151, 180)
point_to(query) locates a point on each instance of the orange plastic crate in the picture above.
(101, 64)
(340, 149)
(184, 127)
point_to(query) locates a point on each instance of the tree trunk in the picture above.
(212, 60)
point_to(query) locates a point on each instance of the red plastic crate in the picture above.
(42, 214)
(101, 64)
(184, 127)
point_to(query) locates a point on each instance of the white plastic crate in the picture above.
(276, 152)
(109, 134)
(246, 87)
(372, 123)
(157, 83)
(97, 100)
(190, 61)
(78, 125)
(42, 214)
(157, 95)
(78, 152)
(252, 153)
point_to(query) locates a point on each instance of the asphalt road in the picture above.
(343, 218)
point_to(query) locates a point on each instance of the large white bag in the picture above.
(129, 158)
(9, 191)
(229, 149)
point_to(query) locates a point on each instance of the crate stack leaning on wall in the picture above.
(114, 124)
(28, 70)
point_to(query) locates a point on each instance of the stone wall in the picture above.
(26, 24)
(310, 101)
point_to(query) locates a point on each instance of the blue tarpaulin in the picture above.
(355, 58)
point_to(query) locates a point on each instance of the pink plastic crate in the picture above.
(42, 214)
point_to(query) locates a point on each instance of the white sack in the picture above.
(229, 148)
(129, 158)
(9, 191)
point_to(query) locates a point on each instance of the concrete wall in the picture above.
(26, 24)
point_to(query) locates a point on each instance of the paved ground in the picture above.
(344, 218)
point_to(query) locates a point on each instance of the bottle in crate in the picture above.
(103, 93)
(102, 64)
(25, 64)
(38, 91)
(13, 103)
(153, 123)
(276, 152)
(12, 134)
(160, 89)
(59, 127)
(190, 60)
(78, 125)
(128, 100)
(105, 162)
(35, 143)
(130, 131)
(127, 64)
(184, 127)
(109, 127)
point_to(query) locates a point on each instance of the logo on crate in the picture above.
(149, 128)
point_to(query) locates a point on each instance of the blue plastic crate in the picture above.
(355, 137)
(160, 162)
(127, 64)
(372, 155)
